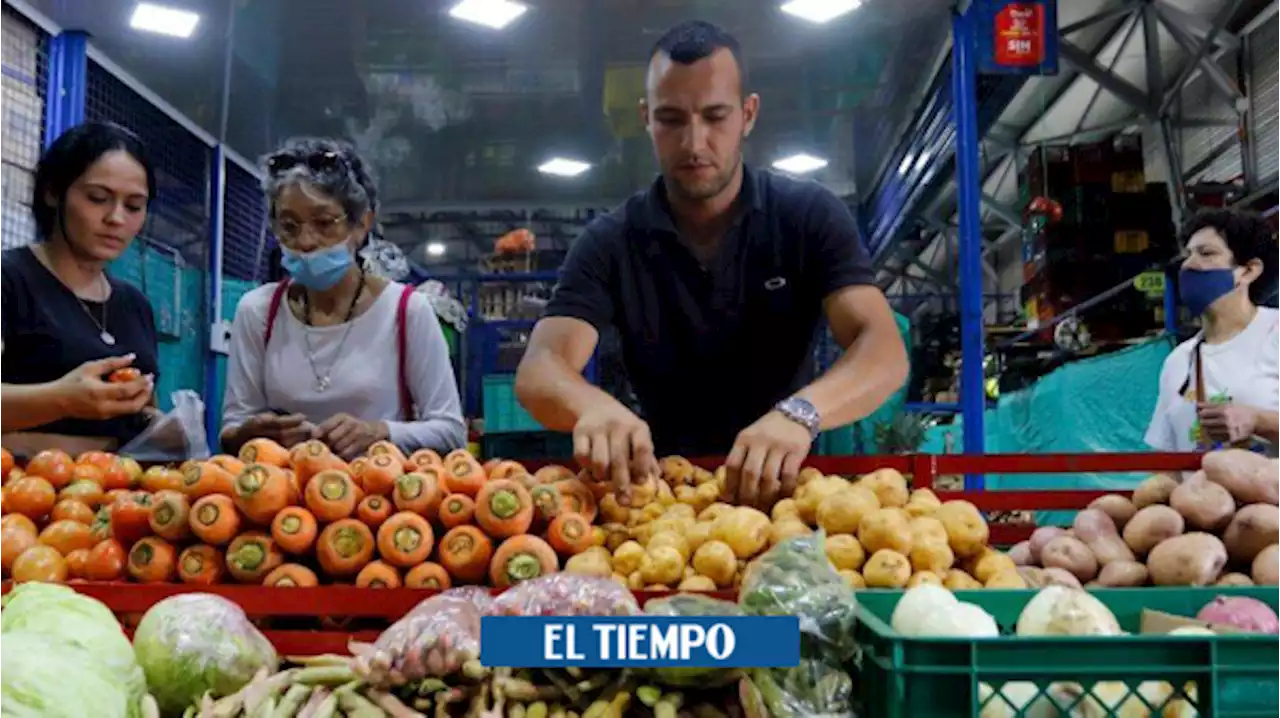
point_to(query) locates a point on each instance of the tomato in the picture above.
(30, 496)
(106, 561)
(73, 510)
(159, 478)
(87, 472)
(67, 536)
(53, 466)
(122, 376)
(113, 495)
(6, 462)
(17, 534)
(78, 563)
(40, 563)
(88, 493)
(101, 526)
(131, 517)
(100, 459)
(132, 469)
(116, 476)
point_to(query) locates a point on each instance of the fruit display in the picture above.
(1220, 526)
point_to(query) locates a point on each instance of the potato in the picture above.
(715, 560)
(1098, 532)
(714, 511)
(815, 493)
(889, 486)
(1234, 579)
(958, 580)
(1155, 489)
(665, 566)
(1119, 508)
(1252, 529)
(1041, 538)
(783, 530)
(1250, 478)
(1071, 555)
(989, 563)
(784, 509)
(932, 556)
(1151, 525)
(924, 497)
(1060, 577)
(841, 512)
(926, 529)
(628, 557)
(697, 534)
(1192, 559)
(1032, 575)
(807, 474)
(922, 577)
(1021, 553)
(1266, 566)
(746, 530)
(684, 512)
(845, 553)
(588, 564)
(1122, 574)
(1205, 505)
(885, 529)
(887, 569)
(697, 583)
(967, 532)
(1006, 578)
(672, 539)
(853, 579)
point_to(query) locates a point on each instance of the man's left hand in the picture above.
(1227, 423)
(765, 461)
(348, 436)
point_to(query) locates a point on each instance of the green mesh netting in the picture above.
(860, 437)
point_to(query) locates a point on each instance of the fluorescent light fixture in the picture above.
(562, 167)
(496, 14)
(820, 11)
(163, 20)
(435, 249)
(800, 164)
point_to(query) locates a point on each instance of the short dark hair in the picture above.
(1249, 236)
(71, 155)
(695, 40)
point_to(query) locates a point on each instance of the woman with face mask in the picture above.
(1222, 387)
(333, 352)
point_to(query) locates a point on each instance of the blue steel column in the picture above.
(217, 221)
(969, 185)
(65, 83)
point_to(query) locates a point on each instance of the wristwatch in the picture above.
(802, 412)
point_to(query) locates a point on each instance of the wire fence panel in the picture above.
(1264, 94)
(246, 243)
(23, 62)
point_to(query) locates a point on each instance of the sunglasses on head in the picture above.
(320, 162)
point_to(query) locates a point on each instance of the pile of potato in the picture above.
(677, 534)
(1220, 526)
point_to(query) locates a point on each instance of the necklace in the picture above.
(107, 337)
(323, 379)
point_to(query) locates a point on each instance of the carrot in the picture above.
(229, 464)
(505, 470)
(377, 574)
(356, 469)
(552, 473)
(153, 560)
(202, 478)
(458, 454)
(294, 530)
(465, 552)
(264, 451)
(379, 474)
(570, 534)
(384, 447)
(463, 475)
(419, 492)
(310, 458)
(428, 574)
(214, 519)
(456, 510)
(331, 495)
(405, 539)
(373, 510)
(422, 458)
(290, 575)
(200, 564)
(578, 498)
(547, 503)
(521, 558)
(503, 508)
(170, 515)
(344, 547)
(261, 491)
(251, 556)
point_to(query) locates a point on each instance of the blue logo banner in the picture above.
(640, 641)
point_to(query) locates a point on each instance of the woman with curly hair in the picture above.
(1222, 386)
(333, 352)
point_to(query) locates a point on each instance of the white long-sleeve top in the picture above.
(362, 371)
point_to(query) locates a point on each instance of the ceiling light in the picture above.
(163, 20)
(800, 164)
(435, 249)
(562, 167)
(496, 14)
(820, 11)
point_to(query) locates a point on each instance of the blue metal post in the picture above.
(217, 222)
(65, 83)
(969, 185)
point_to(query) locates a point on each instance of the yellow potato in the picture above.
(924, 496)
(744, 529)
(887, 569)
(1006, 578)
(785, 529)
(715, 560)
(926, 529)
(702, 476)
(672, 539)
(697, 583)
(613, 512)
(845, 553)
(617, 535)
(807, 474)
(889, 486)
(664, 494)
(967, 532)
(922, 577)
(988, 563)
(676, 470)
(958, 580)
(714, 511)
(704, 495)
(628, 557)
(785, 509)
(653, 512)
(841, 512)
(886, 529)
(680, 511)
(666, 566)
(697, 534)
(853, 578)
(635, 581)
(932, 556)
(588, 564)
(815, 494)
(687, 495)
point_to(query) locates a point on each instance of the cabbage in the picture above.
(59, 612)
(196, 642)
(43, 676)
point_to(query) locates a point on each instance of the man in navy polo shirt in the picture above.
(716, 278)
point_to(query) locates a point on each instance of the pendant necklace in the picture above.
(322, 379)
(107, 337)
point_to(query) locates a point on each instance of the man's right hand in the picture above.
(614, 445)
(86, 393)
(287, 430)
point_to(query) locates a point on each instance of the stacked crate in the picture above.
(1114, 226)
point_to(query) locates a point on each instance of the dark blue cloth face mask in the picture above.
(1198, 288)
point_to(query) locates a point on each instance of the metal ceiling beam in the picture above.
(1123, 9)
(1225, 13)
(1195, 26)
(1118, 86)
(1218, 78)
(1007, 214)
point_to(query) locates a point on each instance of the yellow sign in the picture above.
(1150, 283)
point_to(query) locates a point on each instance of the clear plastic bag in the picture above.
(176, 436)
(566, 594)
(196, 642)
(482, 598)
(436, 639)
(814, 689)
(692, 604)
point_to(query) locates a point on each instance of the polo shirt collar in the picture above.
(656, 214)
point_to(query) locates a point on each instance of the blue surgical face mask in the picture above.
(321, 269)
(1199, 288)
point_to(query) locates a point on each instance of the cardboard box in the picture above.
(1160, 622)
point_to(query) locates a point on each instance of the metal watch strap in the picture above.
(801, 412)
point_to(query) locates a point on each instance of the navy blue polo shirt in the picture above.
(711, 348)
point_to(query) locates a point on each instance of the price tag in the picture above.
(1150, 283)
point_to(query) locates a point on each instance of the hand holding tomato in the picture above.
(84, 394)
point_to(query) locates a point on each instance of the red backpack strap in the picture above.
(407, 412)
(273, 309)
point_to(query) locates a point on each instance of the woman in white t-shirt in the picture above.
(1228, 273)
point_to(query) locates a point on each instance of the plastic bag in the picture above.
(176, 436)
(691, 604)
(196, 642)
(566, 594)
(479, 596)
(814, 689)
(436, 639)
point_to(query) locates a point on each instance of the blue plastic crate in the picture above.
(502, 412)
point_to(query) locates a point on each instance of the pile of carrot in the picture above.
(298, 517)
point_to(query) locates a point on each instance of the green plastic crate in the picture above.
(502, 412)
(1235, 675)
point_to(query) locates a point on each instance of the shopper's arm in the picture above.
(550, 383)
(26, 406)
(438, 424)
(1267, 425)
